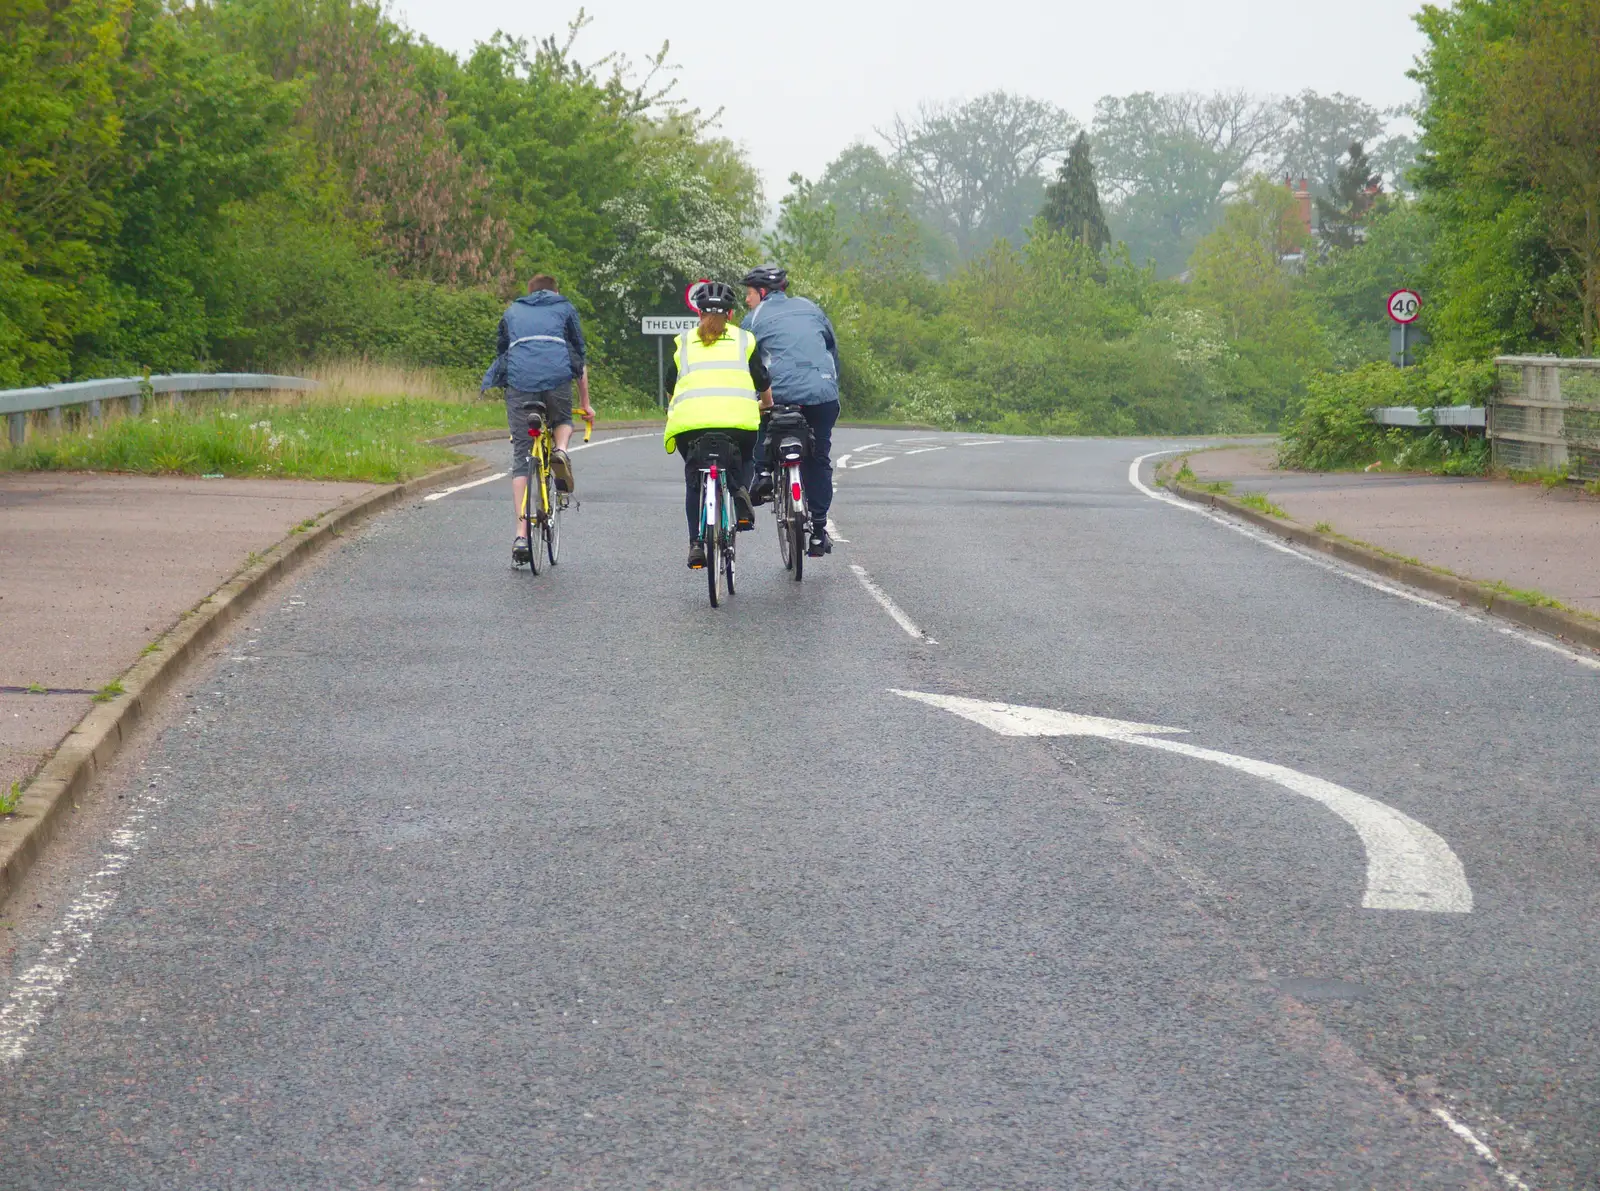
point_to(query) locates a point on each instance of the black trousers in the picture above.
(744, 440)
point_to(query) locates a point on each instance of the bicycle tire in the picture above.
(730, 555)
(552, 523)
(780, 513)
(797, 534)
(531, 519)
(709, 536)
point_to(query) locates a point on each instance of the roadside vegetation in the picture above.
(365, 423)
(280, 184)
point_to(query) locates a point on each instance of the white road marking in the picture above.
(499, 475)
(1272, 542)
(1409, 866)
(39, 987)
(987, 442)
(924, 450)
(833, 532)
(869, 446)
(870, 462)
(603, 442)
(842, 462)
(889, 606)
(1479, 1148)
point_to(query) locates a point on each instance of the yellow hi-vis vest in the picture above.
(714, 389)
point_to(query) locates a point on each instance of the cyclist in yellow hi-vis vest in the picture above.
(719, 384)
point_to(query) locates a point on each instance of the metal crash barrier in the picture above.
(17, 404)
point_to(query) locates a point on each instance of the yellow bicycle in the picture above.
(544, 512)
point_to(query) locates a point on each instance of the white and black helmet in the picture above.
(717, 297)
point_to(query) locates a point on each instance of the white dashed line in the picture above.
(40, 986)
(1482, 1150)
(889, 606)
(1274, 543)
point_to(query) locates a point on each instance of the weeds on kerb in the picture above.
(9, 799)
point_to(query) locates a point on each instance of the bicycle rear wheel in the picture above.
(712, 540)
(552, 522)
(780, 514)
(796, 526)
(530, 515)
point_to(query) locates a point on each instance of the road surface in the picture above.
(442, 876)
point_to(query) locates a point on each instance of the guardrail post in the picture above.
(18, 426)
(135, 405)
(55, 417)
(94, 409)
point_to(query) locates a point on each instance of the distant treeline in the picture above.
(260, 183)
(1161, 269)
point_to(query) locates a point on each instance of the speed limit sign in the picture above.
(1404, 306)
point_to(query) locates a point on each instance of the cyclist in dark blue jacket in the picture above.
(541, 352)
(795, 341)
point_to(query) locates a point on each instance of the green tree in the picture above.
(1355, 191)
(1239, 271)
(1072, 204)
(1543, 127)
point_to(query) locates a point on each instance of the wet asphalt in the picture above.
(454, 877)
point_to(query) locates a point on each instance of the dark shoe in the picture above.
(561, 468)
(742, 510)
(761, 490)
(520, 552)
(819, 544)
(697, 556)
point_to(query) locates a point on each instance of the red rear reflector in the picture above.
(794, 490)
(532, 433)
(713, 471)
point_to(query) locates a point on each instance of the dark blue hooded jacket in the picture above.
(797, 345)
(540, 344)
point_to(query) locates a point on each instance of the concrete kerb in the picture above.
(1558, 622)
(86, 750)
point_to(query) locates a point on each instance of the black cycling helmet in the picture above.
(717, 297)
(767, 277)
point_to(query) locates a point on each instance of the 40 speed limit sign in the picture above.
(1404, 306)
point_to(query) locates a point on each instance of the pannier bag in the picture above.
(788, 436)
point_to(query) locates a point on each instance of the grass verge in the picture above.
(365, 423)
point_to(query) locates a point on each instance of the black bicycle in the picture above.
(718, 460)
(788, 443)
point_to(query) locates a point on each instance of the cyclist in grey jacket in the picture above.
(541, 352)
(796, 342)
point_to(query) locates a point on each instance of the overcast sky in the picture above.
(801, 79)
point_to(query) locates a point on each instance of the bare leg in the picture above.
(563, 436)
(519, 486)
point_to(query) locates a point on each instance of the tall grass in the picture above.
(365, 421)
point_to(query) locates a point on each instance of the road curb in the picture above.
(1569, 626)
(86, 750)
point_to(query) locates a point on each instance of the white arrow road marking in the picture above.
(1409, 867)
(842, 463)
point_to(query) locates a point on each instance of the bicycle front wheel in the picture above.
(781, 514)
(552, 518)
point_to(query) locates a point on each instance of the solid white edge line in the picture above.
(1273, 542)
(601, 442)
(889, 606)
(499, 475)
(1479, 1148)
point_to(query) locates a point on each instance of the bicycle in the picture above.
(551, 502)
(718, 526)
(789, 441)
